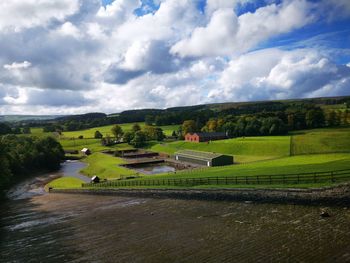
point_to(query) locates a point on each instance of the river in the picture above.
(41, 227)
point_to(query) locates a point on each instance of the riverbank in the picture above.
(336, 195)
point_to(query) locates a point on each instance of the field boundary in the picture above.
(279, 179)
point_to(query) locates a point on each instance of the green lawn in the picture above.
(93, 144)
(286, 165)
(322, 141)
(106, 130)
(105, 166)
(65, 182)
(246, 149)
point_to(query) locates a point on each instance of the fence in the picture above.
(301, 178)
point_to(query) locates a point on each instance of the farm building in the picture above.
(205, 136)
(204, 158)
(86, 151)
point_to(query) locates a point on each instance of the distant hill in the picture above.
(18, 118)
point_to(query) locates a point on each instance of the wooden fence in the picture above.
(301, 178)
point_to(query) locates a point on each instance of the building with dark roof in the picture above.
(204, 158)
(205, 136)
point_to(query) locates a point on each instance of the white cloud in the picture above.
(227, 34)
(18, 14)
(68, 29)
(16, 65)
(76, 56)
(278, 74)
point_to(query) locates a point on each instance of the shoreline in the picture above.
(336, 195)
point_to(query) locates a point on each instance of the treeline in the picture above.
(136, 137)
(6, 128)
(269, 123)
(21, 155)
(291, 112)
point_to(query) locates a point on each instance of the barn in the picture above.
(204, 158)
(205, 136)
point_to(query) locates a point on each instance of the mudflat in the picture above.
(85, 228)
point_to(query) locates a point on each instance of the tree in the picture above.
(139, 139)
(315, 118)
(128, 137)
(149, 119)
(136, 127)
(188, 126)
(26, 130)
(98, 135)
(117, 131)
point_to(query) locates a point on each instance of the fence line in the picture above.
(301, 178)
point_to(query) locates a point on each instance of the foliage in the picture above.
(139, 139)
(189, 126)
(117, 131)
(21, 155)
(98, 135)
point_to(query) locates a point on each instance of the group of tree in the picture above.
(22, 155)
(7, 129)
(137, 136)
(267, 123)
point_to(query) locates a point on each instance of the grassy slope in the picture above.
(105, 166)
(287, 165)
(93, 144)
(244, 149)
(322, 141)
(89, 133)
(65, 182)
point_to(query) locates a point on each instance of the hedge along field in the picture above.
(245, 149)
(287, 165)
(321, 141)
(105, 166)
(106, 130)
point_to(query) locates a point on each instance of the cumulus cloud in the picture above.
(77, 56)
(278, 74)
(15, 65)
(17, 15)
(227, 34)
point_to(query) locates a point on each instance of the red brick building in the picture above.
(205, 136)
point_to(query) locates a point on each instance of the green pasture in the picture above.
(106, 130)
(286, 165)
(245, 149)
(321, 141)
(65, 182)
(105, 166)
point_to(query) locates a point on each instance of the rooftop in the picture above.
(199, 155)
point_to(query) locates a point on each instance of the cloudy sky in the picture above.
(77, 56)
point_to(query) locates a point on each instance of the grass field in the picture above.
(286, 165)
(316, 150)
(246, 149)
(106, 130)
(93, 144)
(321, 141)
(105, 166)
(65, 182)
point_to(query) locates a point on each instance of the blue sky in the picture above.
(75, 56)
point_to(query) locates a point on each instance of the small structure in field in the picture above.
(204, 158)
(205, 136)
(95, 179)
(86, 151)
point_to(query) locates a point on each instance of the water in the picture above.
(155, 169)
(87, 228)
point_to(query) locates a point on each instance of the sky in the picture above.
(79, 56)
